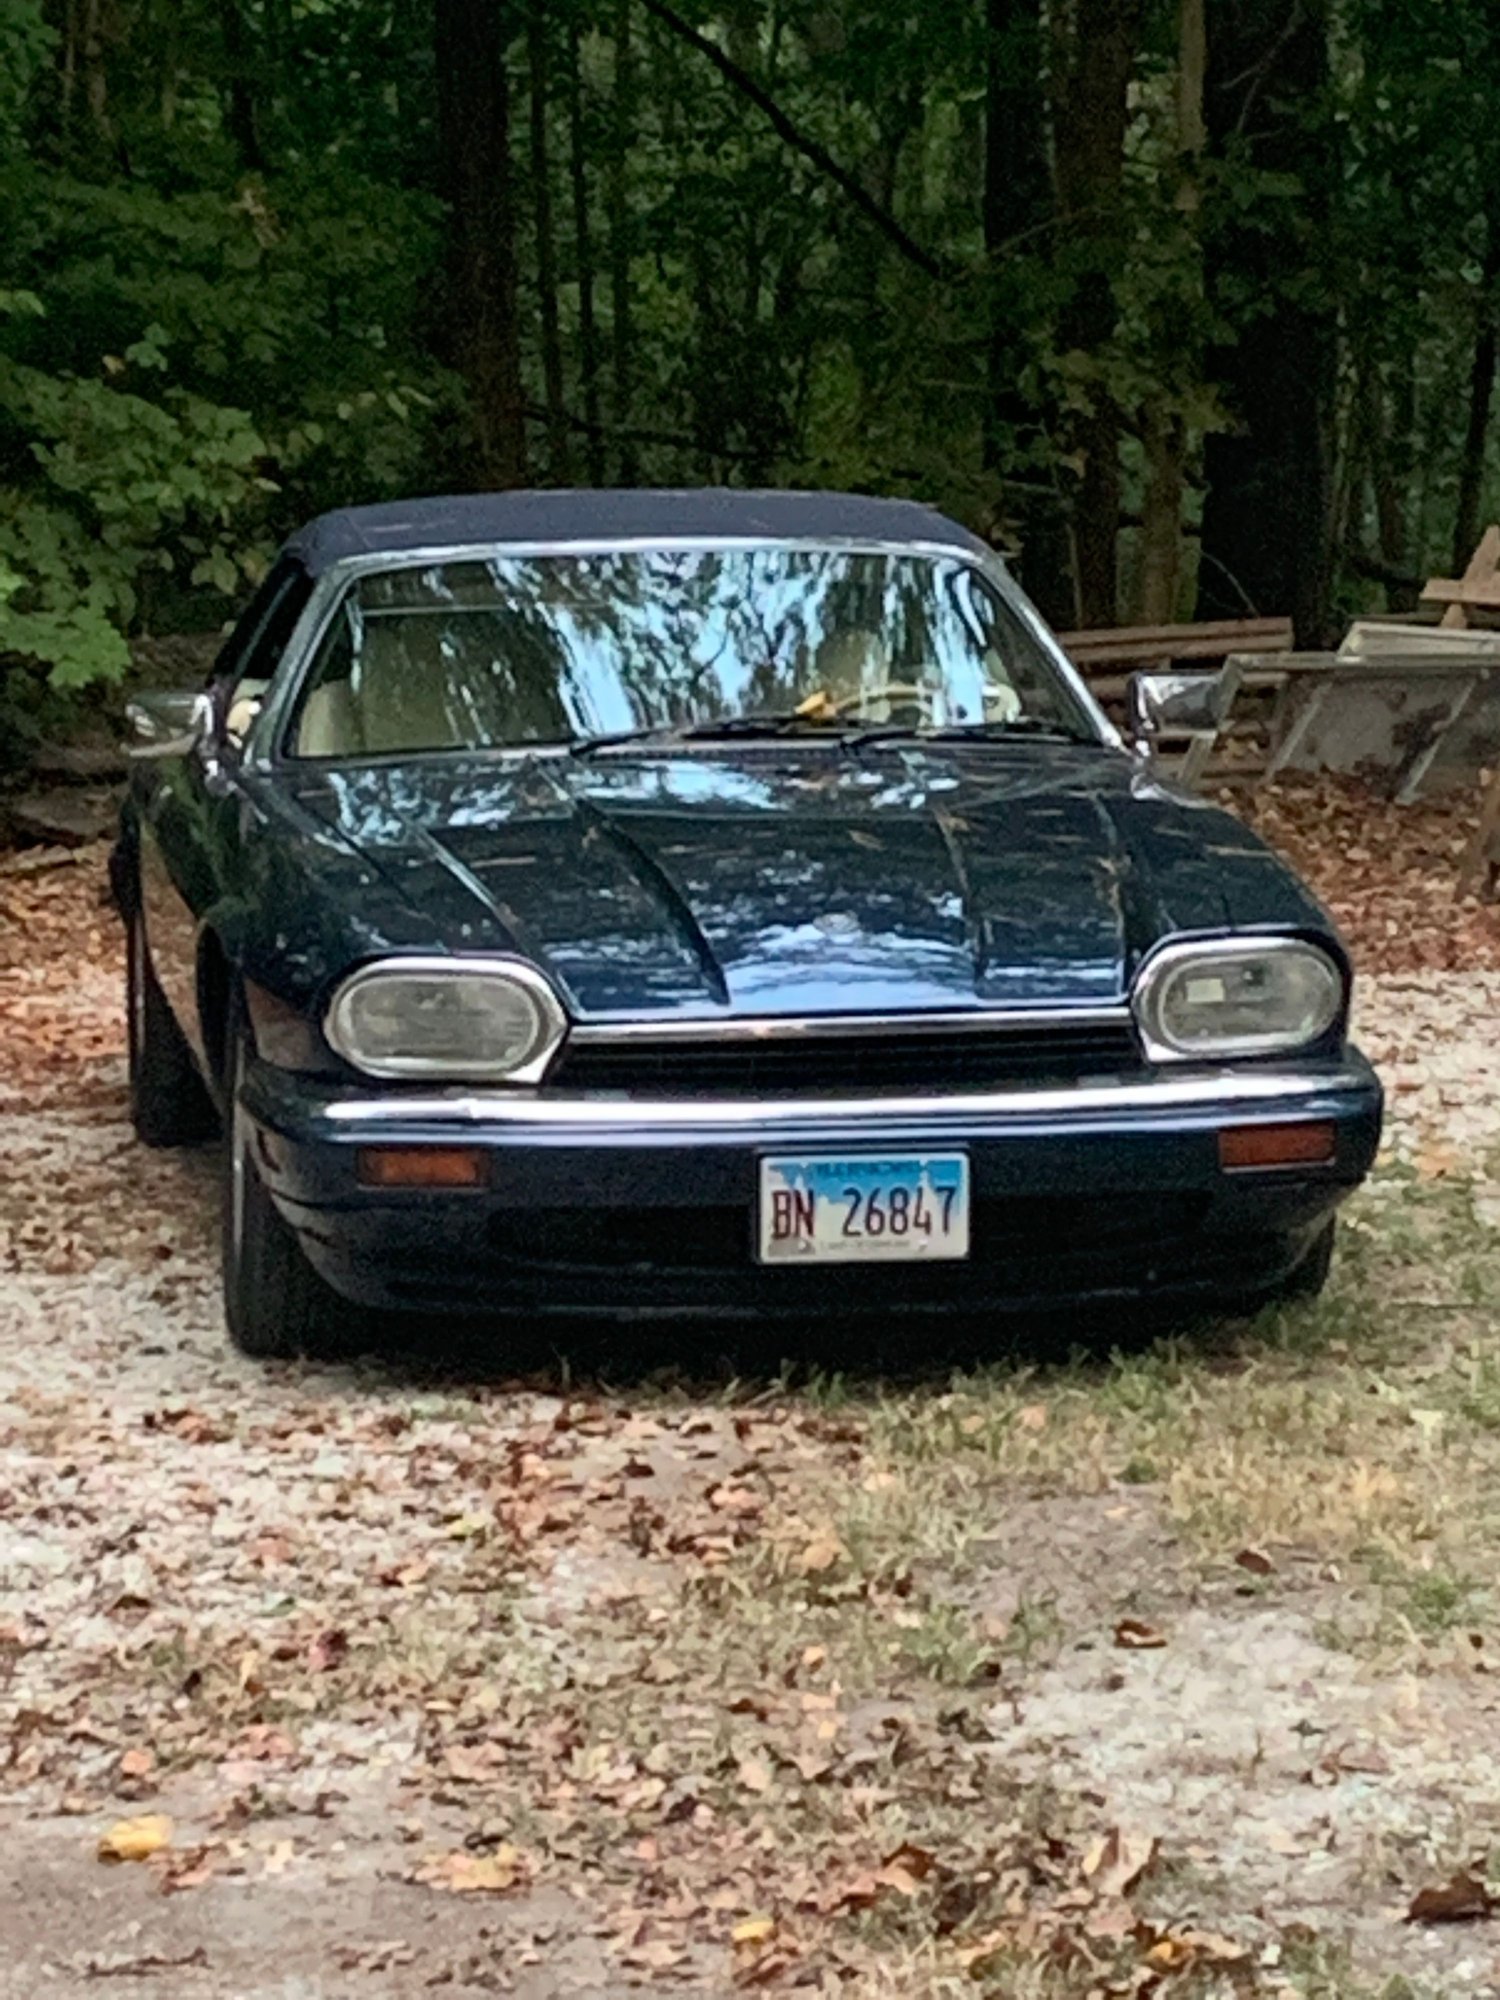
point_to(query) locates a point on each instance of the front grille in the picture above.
(807, 1066)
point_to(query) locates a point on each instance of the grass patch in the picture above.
(1359, 1431)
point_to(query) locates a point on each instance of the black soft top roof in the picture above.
(617, 515)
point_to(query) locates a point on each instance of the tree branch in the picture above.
(799, 141)
(638, 434)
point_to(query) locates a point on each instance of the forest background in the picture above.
(1191, 306)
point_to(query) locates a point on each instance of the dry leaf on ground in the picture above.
(1256, 1561)
(464, 1874)
(1115, 1863)
(821, 1553)
(1462, 1899)
(136, 1839)
(1137, 1636)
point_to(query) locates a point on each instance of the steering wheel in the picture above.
(906, 691)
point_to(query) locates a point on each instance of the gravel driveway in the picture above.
(431, 1672)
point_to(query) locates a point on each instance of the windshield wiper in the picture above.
(831, 729)
(970, 732)
(647, 732)
(770, 722)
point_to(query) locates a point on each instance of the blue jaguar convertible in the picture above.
(709, 904)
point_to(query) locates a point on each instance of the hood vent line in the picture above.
(684, 922)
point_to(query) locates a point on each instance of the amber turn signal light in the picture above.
(420, 1167)
(1247, 1146)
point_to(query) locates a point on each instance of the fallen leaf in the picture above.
(135, 1839)
(137, 1763)
(151, 1961)
(904, 1870)
(1462, 1899)
(752, 1932)
(1256, 1561)
(463, 1874)
(821, 1554)
(1364, 1758)
(1032, 1418)
(1115, 1863)
(755, 1775)
(189, 1870)
(1136, 1636)
(375, 1957)
(1181, 1951)
(327, 1651)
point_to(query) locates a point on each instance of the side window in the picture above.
(253, 650)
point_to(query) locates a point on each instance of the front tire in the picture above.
(169, 1104)
(276, 1307)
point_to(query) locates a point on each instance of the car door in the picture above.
(189, 808)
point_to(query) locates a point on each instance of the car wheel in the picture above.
(276, 1307)
(1311, 1275)
(169, 1105)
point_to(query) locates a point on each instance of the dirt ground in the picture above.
(498, 1669)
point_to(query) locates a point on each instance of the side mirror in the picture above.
(1174, 705)
(172, 725)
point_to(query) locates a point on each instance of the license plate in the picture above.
(863, 1208)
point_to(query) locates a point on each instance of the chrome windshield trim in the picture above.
(816, 1027)
(1208, 1090)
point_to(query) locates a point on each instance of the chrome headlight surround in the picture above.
(1313, 992)
(539, 1022)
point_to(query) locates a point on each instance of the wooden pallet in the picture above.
(1099, 655)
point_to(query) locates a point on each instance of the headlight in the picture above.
(455, 1018)
(1246, 998)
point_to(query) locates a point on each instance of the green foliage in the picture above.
(222, 263)
(191, 358)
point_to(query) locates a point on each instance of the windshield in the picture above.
(514, 650)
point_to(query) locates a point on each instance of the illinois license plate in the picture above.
(840, 1208)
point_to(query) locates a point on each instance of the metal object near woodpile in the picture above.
(1413, 705)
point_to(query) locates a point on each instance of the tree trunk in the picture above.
(1017, 201)
(622, 336)
(583, 251)
(470, 38)
(1164, 434)
(95, 75)
(1481, 400)
(239, 71)
(1378, 437)
(1091, 110)
(1267, 519)
(1158, 588)
(1016, 194)
(546, 252)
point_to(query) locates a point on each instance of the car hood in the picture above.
(777, 882)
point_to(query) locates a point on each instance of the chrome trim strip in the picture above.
(1205, 1091)
(605, 1033)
